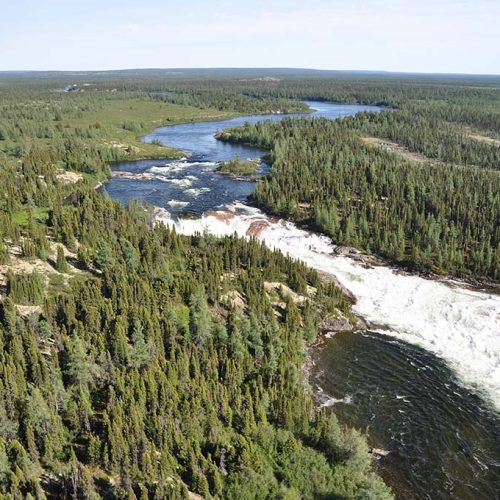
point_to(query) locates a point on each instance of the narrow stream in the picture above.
(424, 384)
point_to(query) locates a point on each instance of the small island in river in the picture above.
(238, 167)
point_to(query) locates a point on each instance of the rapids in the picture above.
(424, 382)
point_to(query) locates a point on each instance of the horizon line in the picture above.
(235, 68)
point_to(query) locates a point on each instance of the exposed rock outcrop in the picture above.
(378, 453)
(341, 323)
(363, 258)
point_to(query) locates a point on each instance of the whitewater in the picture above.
(460, 325)
(412, 381)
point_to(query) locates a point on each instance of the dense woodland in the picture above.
(443, 218)
(126, 369)
(440, 215)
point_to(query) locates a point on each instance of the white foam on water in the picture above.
(183, 183)
(459, 325)
(176, 166)
(197, 191)
(145, 176)
(165, 170)
(333, 401)
(329, 401)
(178, 203)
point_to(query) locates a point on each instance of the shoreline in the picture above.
(449, 279)
(312, 350)
(372, 260)
(229, 116)
(474, 284)
(378, 322)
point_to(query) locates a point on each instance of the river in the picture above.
(424, 382)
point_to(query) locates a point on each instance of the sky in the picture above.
(442, 36)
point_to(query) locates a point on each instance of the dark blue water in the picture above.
(198, 138)
(192, 185)
(444, 442)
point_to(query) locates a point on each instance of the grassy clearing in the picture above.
(123, 121)
(115, 120)
(393, 147)
(22, 217)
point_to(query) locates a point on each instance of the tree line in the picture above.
(135, 377)
(435, 217)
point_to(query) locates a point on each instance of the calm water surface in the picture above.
(191, 185)
(444, 441)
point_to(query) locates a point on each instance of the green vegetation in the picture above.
(125, 369)
(110, 122)
(61, 264)
(441, 216)
(237, 166)
(25, 288)
(23, 217)
(131, 378)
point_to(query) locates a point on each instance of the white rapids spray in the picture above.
(176, 166)
(459, 325)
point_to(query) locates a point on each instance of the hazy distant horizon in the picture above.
(235, 69)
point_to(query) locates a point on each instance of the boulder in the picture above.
(378, 453)
(341, 323)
